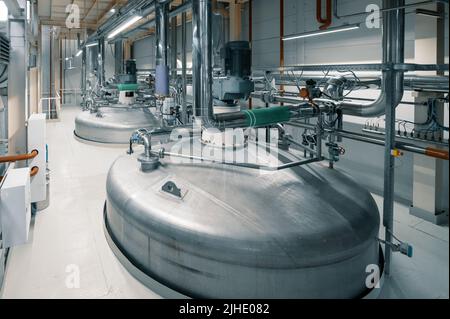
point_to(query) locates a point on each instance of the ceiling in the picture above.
(92, 12)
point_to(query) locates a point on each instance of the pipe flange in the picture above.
(148, 164)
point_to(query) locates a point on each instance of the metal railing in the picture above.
(50, 105)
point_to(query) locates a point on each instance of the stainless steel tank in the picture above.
(115, 125)
(305, 232)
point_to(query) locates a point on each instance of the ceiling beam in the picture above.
(14, 8)
(94, 3)
(62, 23)
(103, 14)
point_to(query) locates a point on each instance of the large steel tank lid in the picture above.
(301, 217)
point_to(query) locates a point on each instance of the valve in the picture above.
(402, 247)
(335, 151)
(148, 161)
(396, 153)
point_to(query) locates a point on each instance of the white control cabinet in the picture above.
(37, 141)
(15, 207)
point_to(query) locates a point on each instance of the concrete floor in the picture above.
(70, 234)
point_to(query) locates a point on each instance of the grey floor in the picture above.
(69, 234)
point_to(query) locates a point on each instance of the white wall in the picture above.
(72, 75)
(144, 50)
(364, 162)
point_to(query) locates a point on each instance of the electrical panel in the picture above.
(15, 207)
(37, 141)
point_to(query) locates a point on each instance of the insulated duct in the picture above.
(162, 69)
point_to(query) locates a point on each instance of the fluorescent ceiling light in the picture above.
(123, 26)
(93, 44)
(28, 11)
(79, 53)
(343, 28)
(3, 11)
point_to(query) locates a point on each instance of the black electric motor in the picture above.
(238, 59)
(130, 67)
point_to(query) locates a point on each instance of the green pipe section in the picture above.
(267, 116)
(127, 87)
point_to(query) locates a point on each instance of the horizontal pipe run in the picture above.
(309, 150)
(404, 139)
(436, 153)
(244, 165)
(20, 157)
(427, 151)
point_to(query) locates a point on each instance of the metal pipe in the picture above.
(161, 17)
(184, 60)
(202, 75)
(20, 157)
(173, 47)
(393, 43)
(407, 147)
(162, 59)
(186, 6)
(101, 62)
(163, 153)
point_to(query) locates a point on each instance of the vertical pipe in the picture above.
(173, 47)
(281, 39)
(118, 57)
(393, 43)
(101, 62)
(83, 74)
(162, 71)
(49, 103)
(202, 60)
(61, 67)
(184, 61)
(250, 38)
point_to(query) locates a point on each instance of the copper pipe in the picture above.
(329, 19)
(20, 157)
(34, 171)
(436, 153)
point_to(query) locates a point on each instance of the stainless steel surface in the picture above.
(407, 67)
(202, 77)
(101, 62)
(184, 62)
(393, 42)
(162, 31)
(305, 232)
(115, 126)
